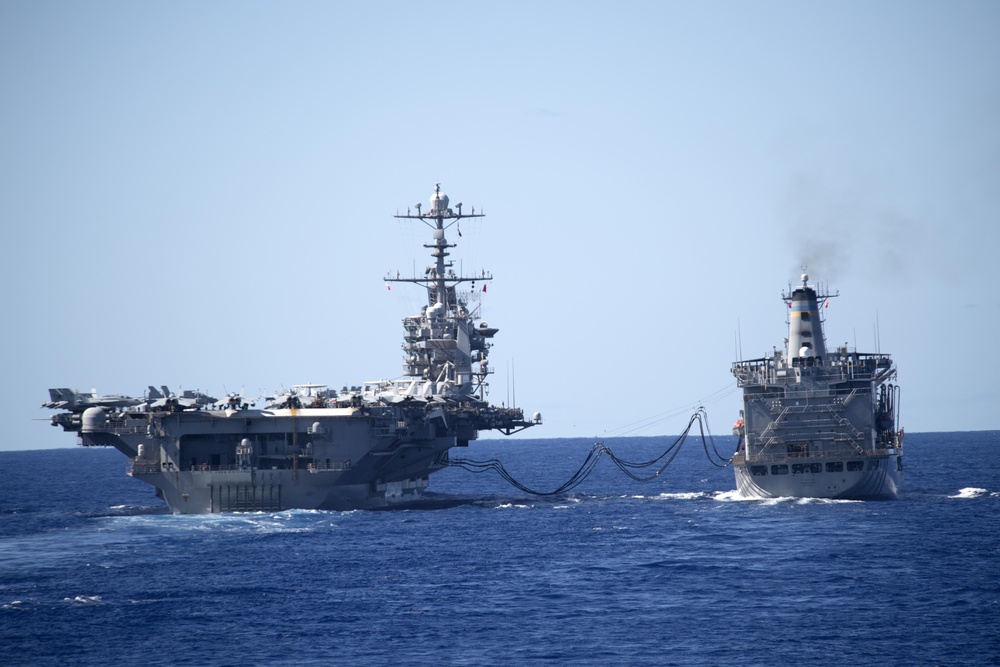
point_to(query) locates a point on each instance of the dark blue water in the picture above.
(672, 572)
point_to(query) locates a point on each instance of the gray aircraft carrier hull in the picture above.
(274, 490)
(342, 458)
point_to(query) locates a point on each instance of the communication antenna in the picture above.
(508, 383)
(739, 340)
(878, 335)
(513, 386)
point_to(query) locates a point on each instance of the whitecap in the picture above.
(970, 492)
(84, 599)
(731, 496)
(689, 495)
(507, 506)
(823, 501)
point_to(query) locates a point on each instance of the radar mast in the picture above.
(446, 354)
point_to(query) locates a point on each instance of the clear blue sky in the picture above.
(201, 195)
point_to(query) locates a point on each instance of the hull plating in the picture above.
(881, 478)
(267, 491)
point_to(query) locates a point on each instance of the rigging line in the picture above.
(716, 395)
(646, 422)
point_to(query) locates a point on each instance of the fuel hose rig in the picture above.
(640, 471)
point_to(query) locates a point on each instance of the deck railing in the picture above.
(741, 458)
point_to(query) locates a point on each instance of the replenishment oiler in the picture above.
(364, 446)
(817, 423)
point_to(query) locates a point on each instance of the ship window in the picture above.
(798, 468)
(781, 469)
(758, 471)
(855, 466)
(835, 466)
(806, 334)
(814, 468)
(805, 316)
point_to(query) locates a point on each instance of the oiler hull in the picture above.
(870, 477)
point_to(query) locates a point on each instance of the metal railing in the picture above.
(144, 468)
(816, 456)
(338, 466)
(835, 367)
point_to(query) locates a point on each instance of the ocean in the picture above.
(675, 571)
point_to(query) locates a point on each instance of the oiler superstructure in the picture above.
(817, 423)
(311, 447)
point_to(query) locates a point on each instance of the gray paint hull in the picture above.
(880, 478)
(275, 491)
(272, 460)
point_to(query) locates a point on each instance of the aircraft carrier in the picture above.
(312, 447)
(817, 423)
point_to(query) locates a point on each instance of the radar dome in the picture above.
(439, 201)
(805, 351)
(93, 419)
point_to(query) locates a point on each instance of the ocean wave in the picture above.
(824, 501)
(82, 600)
(689, 495)
(265, 523)
(781, 500)
(730, 496)
(517, 506)
(572, 499)
(736, 496)
(970, 492)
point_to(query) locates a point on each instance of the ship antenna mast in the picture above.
(439, 218)
(443, 348)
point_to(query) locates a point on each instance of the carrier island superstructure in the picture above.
(310, 447)
(817, 423)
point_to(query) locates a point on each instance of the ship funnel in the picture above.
(805, 328)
